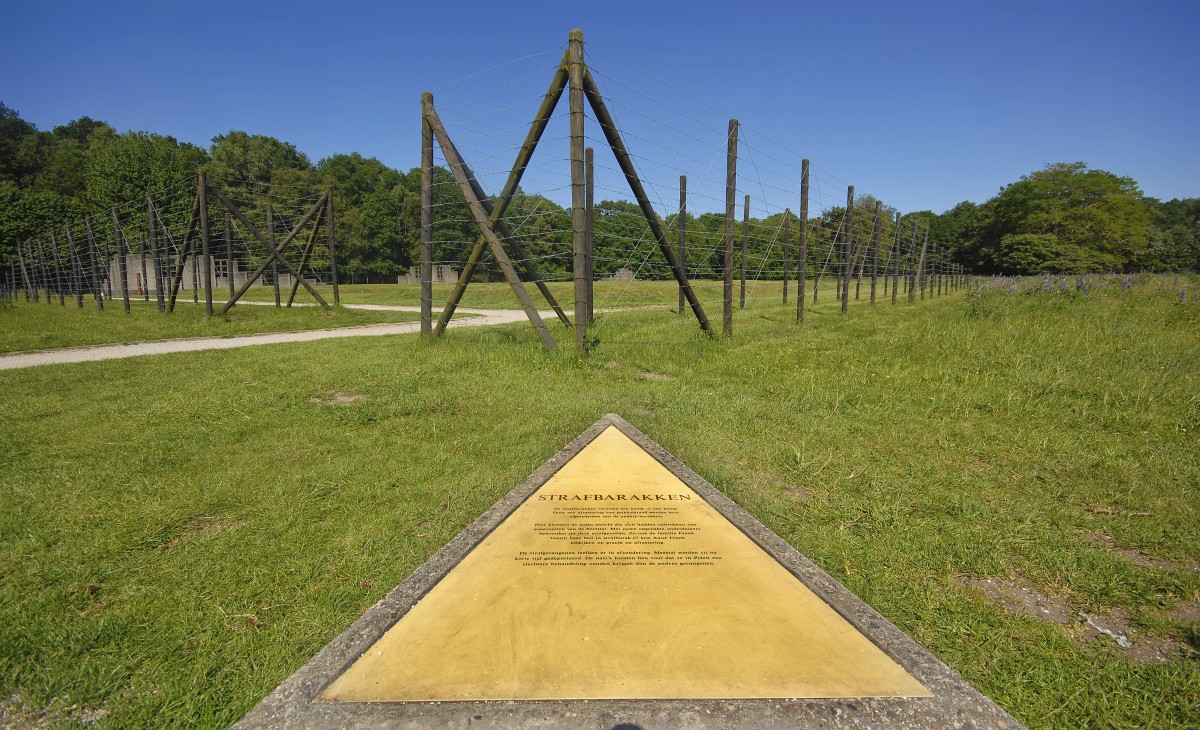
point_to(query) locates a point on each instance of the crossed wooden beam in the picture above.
(573, 74)
(198, 218)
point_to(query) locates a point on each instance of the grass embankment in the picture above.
(27, 326)
(180, 533)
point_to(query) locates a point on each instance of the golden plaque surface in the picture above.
(615, 580)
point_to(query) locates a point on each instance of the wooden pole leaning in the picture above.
(271, 245)
(875, 230)
(205, 258)
(463, 177)
(730, 202)
(272, 251)
(496, 212)
(185, 248)
(802, 264)
(849, 243)
(426, 220)
(306, 256)
(682, 234)
(578, 185)
(592, 92)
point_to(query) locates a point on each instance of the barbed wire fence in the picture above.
(673, 136)
(663, 207)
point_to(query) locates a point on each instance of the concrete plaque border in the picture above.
(955, 704)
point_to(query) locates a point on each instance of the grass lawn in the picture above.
(499, 295)
(180, 533)
(27, 326)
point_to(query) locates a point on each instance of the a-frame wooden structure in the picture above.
(572, 75)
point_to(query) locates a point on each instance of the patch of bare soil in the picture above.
(17, 712)
(195, 528)
(1185, 612)
(1112, 626)
(1139, 558)
(336, 399)
(651, 375)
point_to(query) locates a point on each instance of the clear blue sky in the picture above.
(921, 104)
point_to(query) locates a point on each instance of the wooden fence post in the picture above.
(122, 267)
(875, 248)
(802, 265)
(896, 260)
(205, 258)
(578, 184)
(730, 203)
(62, 300)
(849, 226)
(426, 272)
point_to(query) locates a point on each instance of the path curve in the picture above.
(479, 318)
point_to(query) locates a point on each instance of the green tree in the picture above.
(1097, 220)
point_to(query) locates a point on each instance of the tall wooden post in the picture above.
(333, 272)
(578, 184)
(426, 219)
(122, 267)
(682, 233)
(802, 264)
(152, 229)
(745, 238)
(205, 258)
(142, 259)
(588, 237)
(896, 260)
(230, 268)
(875, 248)
(849, 237)
(62, 300)
(921, 265)
(730, 203)
(44, 270)
(94, 257)
(911, 282)
(76, 267)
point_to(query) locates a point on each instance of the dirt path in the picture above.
(478, 318)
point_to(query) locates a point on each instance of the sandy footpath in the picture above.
(478, 318)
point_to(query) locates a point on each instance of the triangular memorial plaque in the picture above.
(616, 580)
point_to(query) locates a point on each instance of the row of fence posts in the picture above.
(919, 274)
(37, 274)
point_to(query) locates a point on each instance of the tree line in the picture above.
(1065, 218)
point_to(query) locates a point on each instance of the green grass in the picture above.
(178, 534)
(27, 326)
